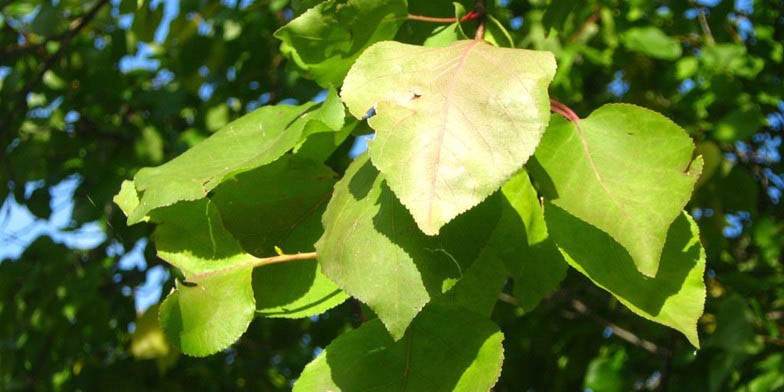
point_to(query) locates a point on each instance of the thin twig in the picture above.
(706, 30)
(481, 10)
(469, 16)
(591, 20)
(626, 335)
(256, 262)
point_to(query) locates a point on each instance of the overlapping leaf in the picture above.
(215, 308)
(326, 39)
(446, 349)
(280, 205)
(254, 140)
(372, 248)
(452, 123)
(531, 256)
(675, 297)
(209, 316)
(627, 171)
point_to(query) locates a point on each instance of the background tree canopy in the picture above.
(90, 92)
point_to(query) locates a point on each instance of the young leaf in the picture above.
(627, 170)
(446, 349)
(326, 39)
(675, 297)
(251, 141)
(372, 248)
(452, 123)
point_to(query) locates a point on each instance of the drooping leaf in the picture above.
(215, 308)
(446, 349)
(653, 42)
(373, 250)
(448, 131)
(209, 313)
(675, 297)
(530, 255)
(280, 205)
(326, 39)
(627, 171)
(253, 140)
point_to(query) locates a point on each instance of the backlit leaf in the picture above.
(449, 131)
(215, 308)
(326, 39)
(251, 141)
(210, 315)
(630, 176)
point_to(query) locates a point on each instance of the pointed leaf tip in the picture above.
(627, 170)
(448, 132)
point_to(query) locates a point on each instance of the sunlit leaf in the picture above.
(373, 250)
(326, 39)
(254, 140)
(448, 131)
(626, 170)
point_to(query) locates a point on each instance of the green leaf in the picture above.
(606, 371)
(126, 198)
(251, 141)
(148, 340)
(372, 249)
(739, 124)
(212, 314)
(280, 205)
(262, 207)
(448, 132)
(191, 237)
(478, 290)
(446, 349)
(531, 256)
(46, 21)
(626, 170)
(326, 39)
(675, 297)
(653, 42)
(556, 13)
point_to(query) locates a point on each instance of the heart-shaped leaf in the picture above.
(626, 170)
(452, 123)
